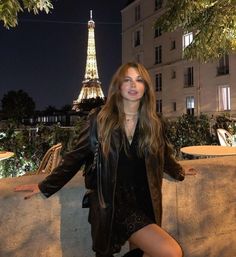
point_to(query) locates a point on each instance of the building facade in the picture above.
(182, 86)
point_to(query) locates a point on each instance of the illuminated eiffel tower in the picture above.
(91, 94)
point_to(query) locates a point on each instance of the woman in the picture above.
(132, 151)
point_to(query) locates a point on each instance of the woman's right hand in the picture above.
(33, 188)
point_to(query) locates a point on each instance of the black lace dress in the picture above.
(133, 207)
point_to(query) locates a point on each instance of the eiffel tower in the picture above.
(91, 94)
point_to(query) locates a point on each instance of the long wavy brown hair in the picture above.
(112, 114)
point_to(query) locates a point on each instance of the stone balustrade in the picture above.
(199, 212)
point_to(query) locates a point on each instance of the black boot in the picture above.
(99, 255)
(134, 253)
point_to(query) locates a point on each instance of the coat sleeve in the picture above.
(69, 166)
(171, 166)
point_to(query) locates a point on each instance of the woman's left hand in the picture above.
(190, 171)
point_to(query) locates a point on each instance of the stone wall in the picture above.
(199, 212)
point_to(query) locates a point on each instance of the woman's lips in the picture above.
(133, 92)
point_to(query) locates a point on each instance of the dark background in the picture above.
(45, 55)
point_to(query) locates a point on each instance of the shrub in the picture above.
(30, 145)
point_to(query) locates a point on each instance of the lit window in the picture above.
(224, 98)
(190, 105)
(187, 39)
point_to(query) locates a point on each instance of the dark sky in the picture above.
(45, 55)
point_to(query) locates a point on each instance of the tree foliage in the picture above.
(190, 130)
(213, 23)
(30, 144)
(9, 9)
(17, 105)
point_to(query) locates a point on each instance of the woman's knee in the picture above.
(174, 251)
(155, 242)
(168, 249)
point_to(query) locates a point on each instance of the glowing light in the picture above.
(91, 85)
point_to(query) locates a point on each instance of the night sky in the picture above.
(45, 55)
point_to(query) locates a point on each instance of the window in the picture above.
(137, 40)
(137, 13)
(190, 105)
(158, 54)
(139, 57)
(172, 45)
(174, 106)
(158, 32)
(158, 4)
(224, 98)
(223, 67)
(173, 74)
(187, 39)
(159, 82)
(188, 77)
(138, 37)
(159, 106)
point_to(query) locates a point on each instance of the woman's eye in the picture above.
(140, 80)
(127, 80)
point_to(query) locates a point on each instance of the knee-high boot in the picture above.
(134, 253)
(99, 255)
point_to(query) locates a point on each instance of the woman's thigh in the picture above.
(155, 242)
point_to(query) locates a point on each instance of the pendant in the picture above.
(130, 138)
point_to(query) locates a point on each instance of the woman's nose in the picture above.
(133, 83)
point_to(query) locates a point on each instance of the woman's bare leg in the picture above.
(155, 242)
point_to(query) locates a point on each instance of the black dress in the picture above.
(133, 206)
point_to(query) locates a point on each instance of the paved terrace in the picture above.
(200, 212)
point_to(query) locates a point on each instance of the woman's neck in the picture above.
(131, 108)
(131, 113)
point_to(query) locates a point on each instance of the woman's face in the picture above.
(133, 87)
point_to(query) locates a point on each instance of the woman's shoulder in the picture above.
(94, 112)
(92, 118)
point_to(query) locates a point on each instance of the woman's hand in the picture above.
(190, 171)
(33, 188)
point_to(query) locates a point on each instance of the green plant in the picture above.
(190, 130)
(226, 122)
(30, 144)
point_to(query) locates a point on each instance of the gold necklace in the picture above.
(130, 125)
(133, 116)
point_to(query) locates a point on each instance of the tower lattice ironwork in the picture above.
(91, 93)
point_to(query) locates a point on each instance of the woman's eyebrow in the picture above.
(127, 76)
